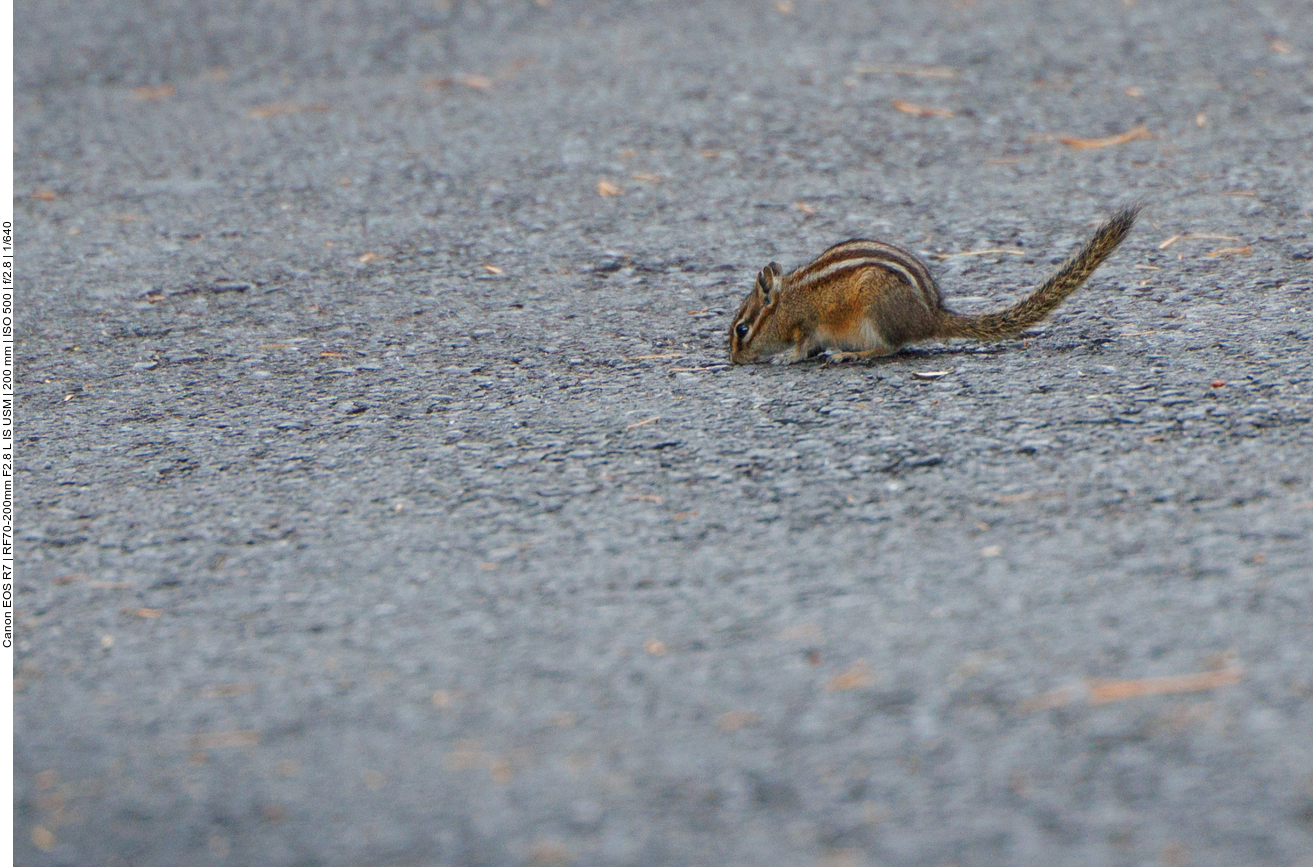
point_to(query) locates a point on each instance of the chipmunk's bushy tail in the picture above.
(1052, 292)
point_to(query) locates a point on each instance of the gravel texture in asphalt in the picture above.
(386, 496)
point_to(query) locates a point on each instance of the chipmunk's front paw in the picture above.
(791, 356)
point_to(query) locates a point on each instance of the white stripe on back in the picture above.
(868, 254)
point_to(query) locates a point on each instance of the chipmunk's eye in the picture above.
(741, 330)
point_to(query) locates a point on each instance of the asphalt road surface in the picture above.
(386, 497)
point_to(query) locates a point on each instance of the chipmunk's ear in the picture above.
(766, 279)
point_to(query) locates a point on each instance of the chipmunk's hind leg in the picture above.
(902, 313)
(838, 357)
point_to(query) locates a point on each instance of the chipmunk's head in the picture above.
(749, 339)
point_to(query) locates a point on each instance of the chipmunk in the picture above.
(863, 299)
